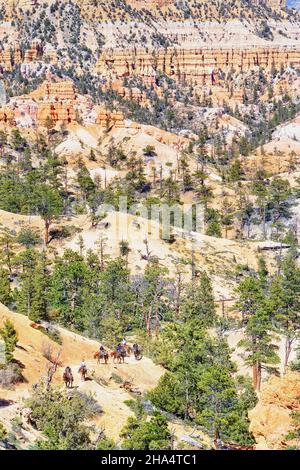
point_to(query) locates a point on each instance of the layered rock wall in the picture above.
(107, 119)
(11, 56)
(56, 112)
(192, 65)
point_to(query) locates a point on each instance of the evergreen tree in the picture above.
(139, 434)
(199, 302)
(285, 299)
(69, 288)
(259, 344)
(217, 400)
(41, 278)
(7, 245)
(5, 290)
(10, 338)
(48, 203)
(27, 261)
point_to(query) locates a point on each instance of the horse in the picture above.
(120, 356)
(68, 377)
(83, 371)
(127, 349)
(137, 353)
(101, 355)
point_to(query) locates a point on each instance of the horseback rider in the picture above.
(102, 351)
(119, 348)
(68, 377)
(137, 351)
(83, 366)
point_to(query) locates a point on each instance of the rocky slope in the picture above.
(75, 33)
(271, 418)
(102, 384)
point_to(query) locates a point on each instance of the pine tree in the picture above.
(257, 309)
(124, 250)
(199, 302)
(39, 303)
(5, 290)
(27, 260)
(217, 397)
(251, 294)
(69, 288)
(48, 203)
(7, 245)
(285, 299)
(10, 338)
(139, 434)
(258, 342)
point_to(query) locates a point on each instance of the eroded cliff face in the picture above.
(192, 65)
(270, 420)
(12, 56)
(57, 101)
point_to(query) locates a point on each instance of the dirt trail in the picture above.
(104, 383)
(104, 380)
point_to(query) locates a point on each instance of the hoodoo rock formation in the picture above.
(57, 100)
(192, 65)
(107, 119)
(13, 55)
(54, 99)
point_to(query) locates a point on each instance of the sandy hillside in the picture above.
(132, 138)
(218, 256)
(101, 382)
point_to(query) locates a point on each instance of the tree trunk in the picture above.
(178, 297)
(287, 352)
(193, 265)
(254, 375)
(148, 322)
(264, 222)
(217, 439)
(47, 226)
(156, 323)
(187, 397)
(258, 376)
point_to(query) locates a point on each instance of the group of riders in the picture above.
(122, 350)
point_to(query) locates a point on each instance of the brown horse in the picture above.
(68, 377)
(119, 356)
(137, 352)
(82, 371)
(104, 355)
(128, 350)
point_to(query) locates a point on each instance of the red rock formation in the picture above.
(271, 420)
(198, 66)
(7, 116)
(127, 93)
(11, 56)
(107, 119)
(57, 99)
(56, 112)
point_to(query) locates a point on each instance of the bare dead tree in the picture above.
(53, 362)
